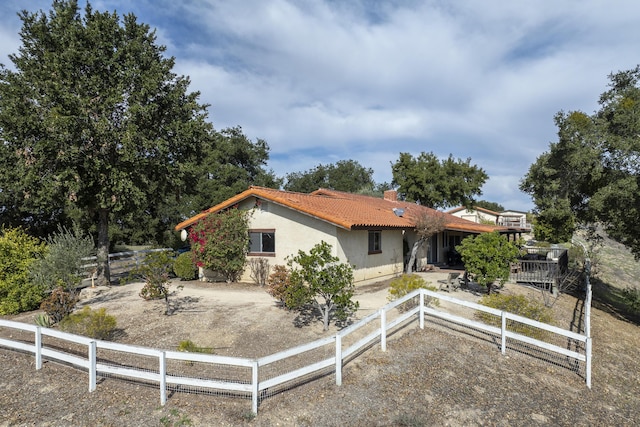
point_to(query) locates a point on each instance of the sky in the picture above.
(329, 80)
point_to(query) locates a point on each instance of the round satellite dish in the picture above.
(183, 235)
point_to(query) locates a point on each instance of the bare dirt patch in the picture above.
(433, 376)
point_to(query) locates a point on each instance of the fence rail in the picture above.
(255, 377)
(119, 262)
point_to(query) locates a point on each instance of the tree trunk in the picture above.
(104, 274)
(412, 258)
(325, 310)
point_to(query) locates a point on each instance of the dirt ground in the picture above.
(426, 377)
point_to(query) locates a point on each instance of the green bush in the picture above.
(18, 251)
(631, 298)
(91, 323)
(520, 305)
(184, 267)
(406, 284)
(62, 264)
(59, 304)
(190, 347)
(154, 270)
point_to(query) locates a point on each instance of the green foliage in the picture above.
(155, 270)
(487, 257)
(175, 419)
(344, 175)
(191, 347)
(631, 298)
(59, 304)
(232, 163)
(220, 242)
(406, 284)
(248, 416)
(590, 175)
(492, 206)
(520, 305)
(18, 251)
(43, 320)
(437, 184)
(318, 278)
(115, 132)
(184, 268)
(90, 323)
(62, 264)
(279, 283)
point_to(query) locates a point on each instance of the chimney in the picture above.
(391, 195)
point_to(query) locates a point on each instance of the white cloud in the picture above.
(323, 81)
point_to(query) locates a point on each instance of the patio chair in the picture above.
(451, 283)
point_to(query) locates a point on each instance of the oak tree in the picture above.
(591, 175)
(437, 184)
(344, 175)
(93, 119)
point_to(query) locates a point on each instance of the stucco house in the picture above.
(370, 233)
(514, 220)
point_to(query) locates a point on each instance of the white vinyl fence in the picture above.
(269, 375)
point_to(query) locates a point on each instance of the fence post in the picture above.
(92, 366)
(163, 378)
(255, 386)
(503, 317)
(383, 329)
(338, 359)
(421, 311)
(588, 357)
(38, 345)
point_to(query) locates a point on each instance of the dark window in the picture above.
(262, 241)
(375, 242)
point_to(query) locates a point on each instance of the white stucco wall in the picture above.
(475, 215)
(296, 231)
(354, 246)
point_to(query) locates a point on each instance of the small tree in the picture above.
(318, 279)
(488, 257)
(426, 226)
(155, 270)
(220, 242)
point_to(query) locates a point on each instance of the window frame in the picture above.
(262, 232)
(372, 247)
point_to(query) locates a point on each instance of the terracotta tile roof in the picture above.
(346, 210)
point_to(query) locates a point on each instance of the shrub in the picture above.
(91, 323)
(62, 264)
(220, 242)
(184, 267)
(631, 298)
(406, 284)
(43, 320)
(488, 257)
(190, 347)
(18, 251)
(59, 304)
(259, 270)
(279, 283)
(520, 305)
